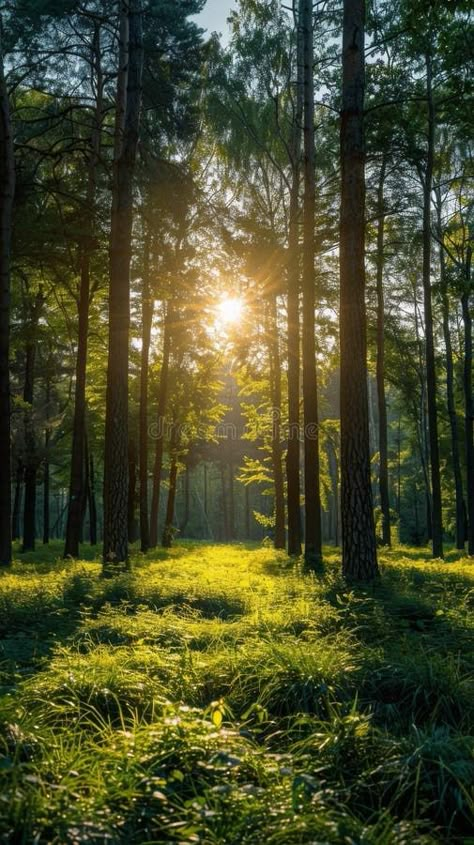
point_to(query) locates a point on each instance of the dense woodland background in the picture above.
(231, 167)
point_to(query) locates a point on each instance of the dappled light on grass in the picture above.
(219, 695)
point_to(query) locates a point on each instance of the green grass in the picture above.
(218, 695)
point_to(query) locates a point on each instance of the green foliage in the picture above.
(216, 695)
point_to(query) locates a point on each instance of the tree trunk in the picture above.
(225, 512)
(313, 538)
(115, 550)
(17, 502)
(293, 451)
(92, 503)
(451, 402)
(279, 540)
(7, 189)
(469, 403)
(77, 491)
(358, 532)
(382, 405)
(31, 457)
(168, 530)
(132, 490)
(436, 505)
(147, 318)
(231, 515)
(160, 432)
(187, 494)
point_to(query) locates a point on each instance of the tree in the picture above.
(313, 538)
(116, 425)
(7, 188)
(358, 533)
(77, 489)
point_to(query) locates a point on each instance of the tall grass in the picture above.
(219, 695)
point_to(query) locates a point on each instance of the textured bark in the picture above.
(7, 189)
(436, 505)
(77, 490)
(115, 549)
(279, 539)
(92, 502)
(31, 455)
(187, 496)
(358, 532)
(313, 534)
(451, 402)
(17, 502)
(168, 530)
(160, 433)
(382, 404)
(132, 490)
(469, 401)
(293, 451)
(147, 318)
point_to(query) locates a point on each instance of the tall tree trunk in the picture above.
(382, 404)
(46, 490)
(293, 451)
(132, 490)
(358, 531)
(92, 503)
(31, 457)
(17, 502)
(451, 402)
(248, 532)
(161, 425)
(187, 495)
(313, 534)
(115, 551)
(277, 450)
(469, 401)
(77, 491)
(225, 511)
(231, 513)
(147, 318)
(436, 505)
(7, 189)
(168, 530)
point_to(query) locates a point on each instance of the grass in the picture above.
(218, 695)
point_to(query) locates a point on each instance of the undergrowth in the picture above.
(217, 694)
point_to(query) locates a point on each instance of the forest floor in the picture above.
(218, 695)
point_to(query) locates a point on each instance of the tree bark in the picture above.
(7, 190)
(293, 450)
(450, 397)
(469, 401)
(92, 503)
(147, 318)
(382, 404)
(132, 490)
(77, 491)
(161, 425)
(168, 530)
(17, 502)
(313, 534)
(279, 540)
(31, 457)
(358, 532)
(436, 505)
(115, 549)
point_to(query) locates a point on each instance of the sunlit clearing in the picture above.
(230, 310)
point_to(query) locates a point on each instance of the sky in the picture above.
(213, 17)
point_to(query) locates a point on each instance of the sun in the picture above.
(230, 310)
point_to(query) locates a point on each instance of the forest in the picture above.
(236, 422)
